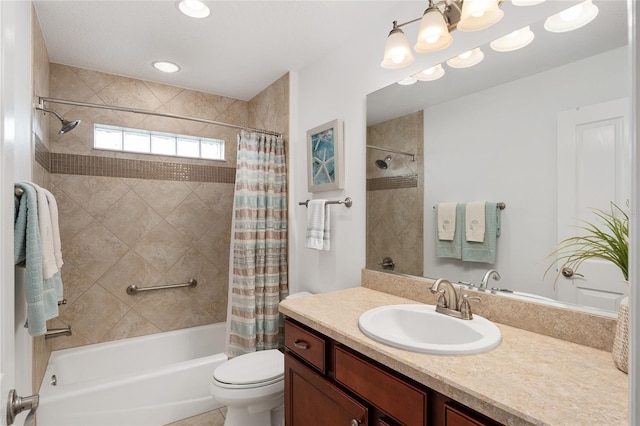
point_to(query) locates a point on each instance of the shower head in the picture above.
(67, 126)
(383, 164)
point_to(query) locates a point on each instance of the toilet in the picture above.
(252, 387)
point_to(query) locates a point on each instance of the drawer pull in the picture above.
(355, 422)
(301, 344)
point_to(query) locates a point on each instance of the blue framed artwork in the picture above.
(325, 161)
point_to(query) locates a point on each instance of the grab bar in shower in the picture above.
(134, 289)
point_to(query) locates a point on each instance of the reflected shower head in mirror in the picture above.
(383, 164)
(67, 126)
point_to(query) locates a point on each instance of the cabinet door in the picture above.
(312, 400)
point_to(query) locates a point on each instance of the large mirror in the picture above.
(494, 132)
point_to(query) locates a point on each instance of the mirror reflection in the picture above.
(541, 129)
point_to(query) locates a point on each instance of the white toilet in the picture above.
(252, 387)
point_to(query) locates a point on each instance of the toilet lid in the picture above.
(252, 368)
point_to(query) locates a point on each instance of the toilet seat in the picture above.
(252, 370)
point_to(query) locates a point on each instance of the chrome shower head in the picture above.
(383, 164)
(67, 126)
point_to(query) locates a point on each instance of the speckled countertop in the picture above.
(530, 379)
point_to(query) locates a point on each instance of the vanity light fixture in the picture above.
(397, 53)
(438, 20)
(572, 18)
(466, 59)
(166, 66)
(430, 74)
(194, 8)
(513, 41)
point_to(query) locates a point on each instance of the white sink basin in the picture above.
(419, 328)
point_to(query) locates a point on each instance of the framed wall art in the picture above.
(325, 162)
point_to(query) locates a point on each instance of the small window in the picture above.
(147, 142)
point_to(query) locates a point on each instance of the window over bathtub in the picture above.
(114, 138)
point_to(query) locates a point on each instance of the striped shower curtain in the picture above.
(258, 278)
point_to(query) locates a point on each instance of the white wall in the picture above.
(336, 87)
(500, 144)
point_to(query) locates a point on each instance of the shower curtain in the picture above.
(258, 264)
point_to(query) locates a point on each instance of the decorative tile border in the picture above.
(73, 164)
(393, 182)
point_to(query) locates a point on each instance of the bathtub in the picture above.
(148, 380)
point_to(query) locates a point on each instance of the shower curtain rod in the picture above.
(158, 114)
(413, 157)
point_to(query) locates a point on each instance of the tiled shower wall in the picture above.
(395, 195)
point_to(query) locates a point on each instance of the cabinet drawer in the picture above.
(456, 416)
(400, 400)
(306, 344)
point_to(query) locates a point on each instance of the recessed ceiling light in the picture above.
(165, 66)
(194, 8)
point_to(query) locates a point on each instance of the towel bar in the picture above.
(134, 289)
(499, 205)
(18, 191)
(348, 202)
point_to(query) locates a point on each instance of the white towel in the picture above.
(475, 221)
(318, 225)
(446, 221)
(53, 211)
(49, 264)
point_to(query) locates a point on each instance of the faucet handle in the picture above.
(465, 307)
(442, 300)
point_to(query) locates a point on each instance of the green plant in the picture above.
(608, 241)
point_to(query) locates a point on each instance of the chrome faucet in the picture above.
(449, 303)
(484, 284)
(448, 297)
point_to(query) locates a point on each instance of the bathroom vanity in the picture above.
(326, 380)
(335, 373)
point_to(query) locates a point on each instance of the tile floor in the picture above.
(211, 418)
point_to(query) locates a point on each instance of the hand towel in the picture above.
(318, 225)
(453, 248)
(484, 251)
(446, 221)
(42, 303)
(475, 221)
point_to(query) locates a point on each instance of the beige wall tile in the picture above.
(94, 313)
(131, 269)
(162, 246)
(129, 218)
(95, 250)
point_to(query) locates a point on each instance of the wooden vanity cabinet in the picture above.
(328, 384)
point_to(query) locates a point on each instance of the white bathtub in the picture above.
(148, 380)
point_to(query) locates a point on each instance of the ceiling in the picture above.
(239, 50)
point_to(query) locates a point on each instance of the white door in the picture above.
(15, 158)
(594, 169)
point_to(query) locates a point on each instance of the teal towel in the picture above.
(485, 251)
(42, 303)
(452, 248)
